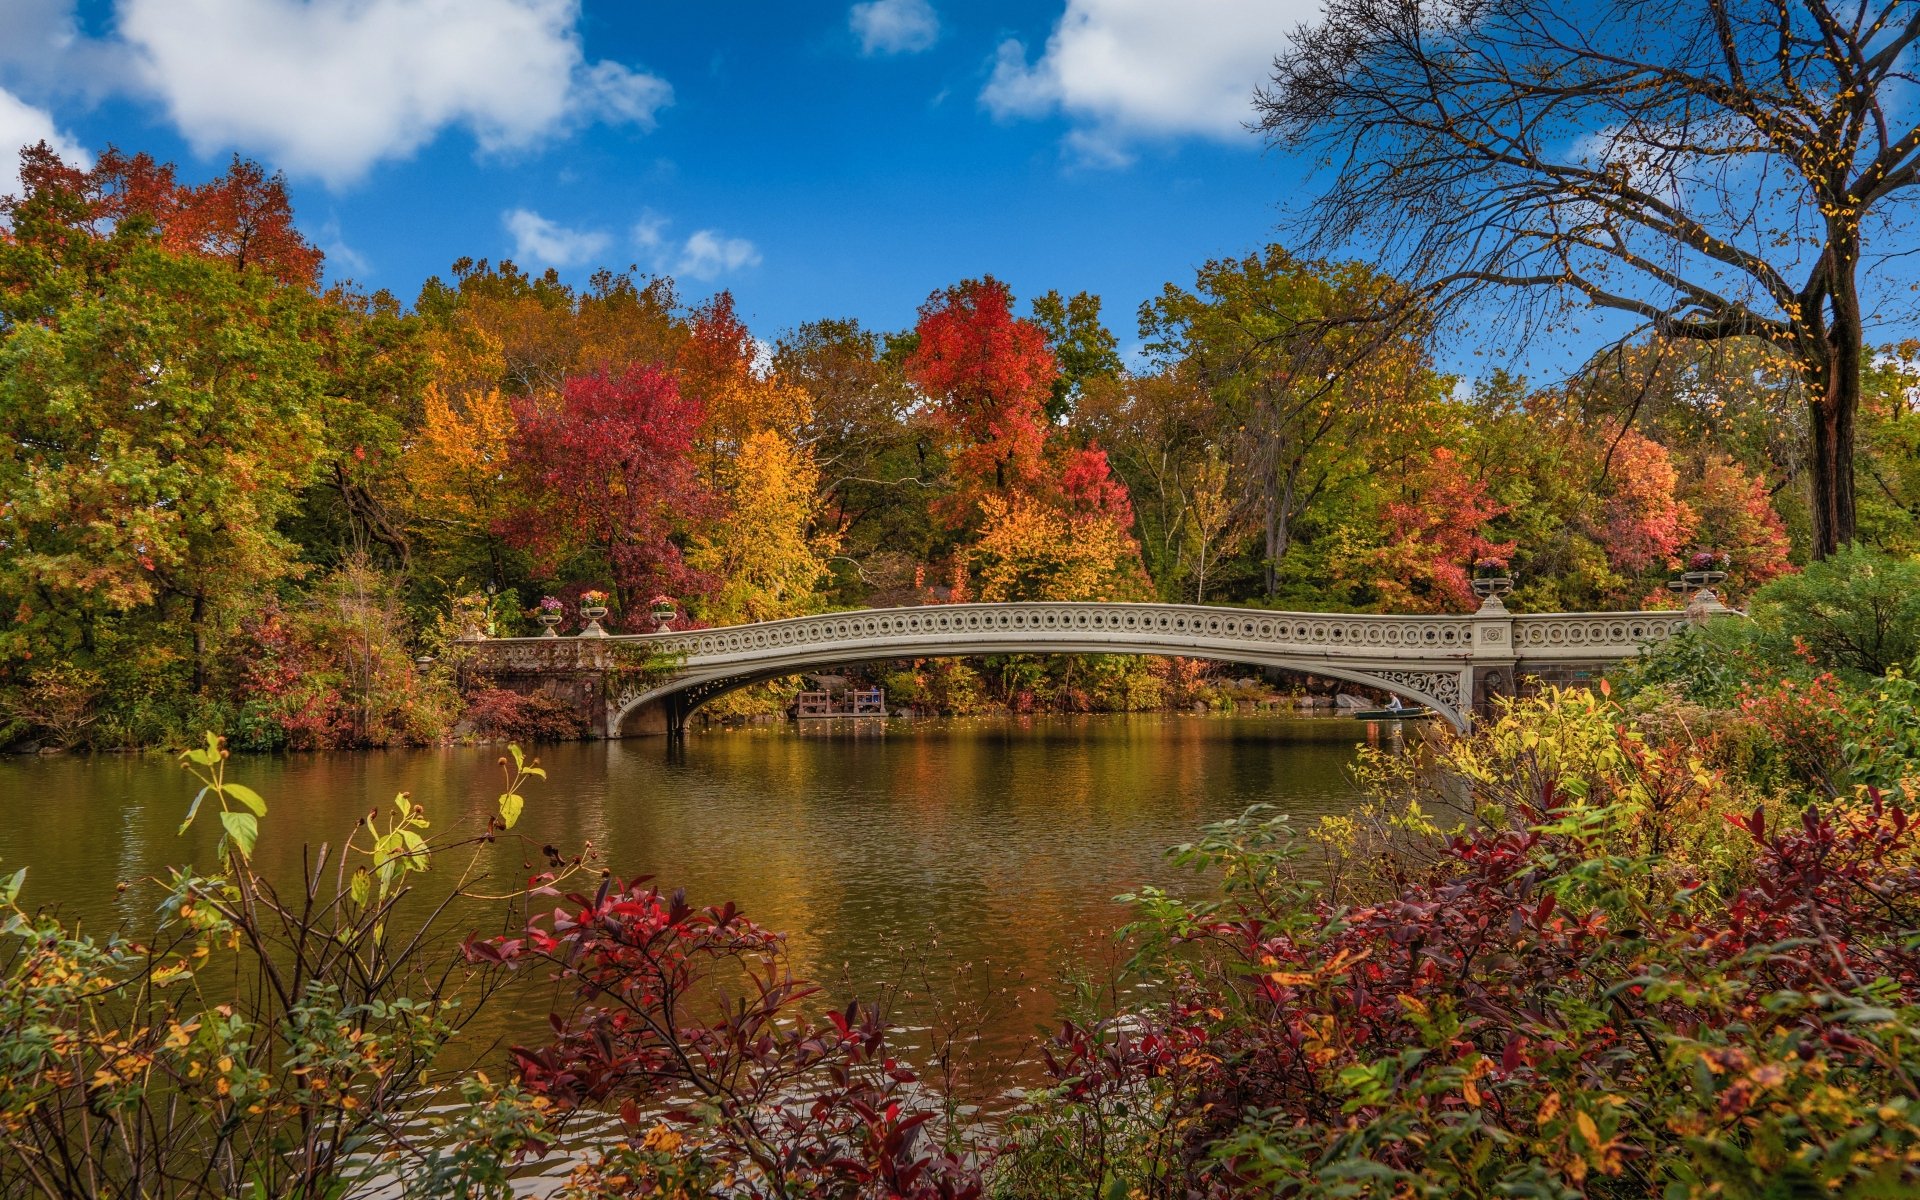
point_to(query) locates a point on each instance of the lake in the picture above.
(980, 856)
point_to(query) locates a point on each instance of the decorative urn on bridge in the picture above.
(1491, 582)
(593, 606)
(1704, 570)
(663, 613)
(548, 614)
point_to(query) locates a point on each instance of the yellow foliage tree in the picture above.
(1030, 549)
(457, 462)
(767, 556)
(739, 407)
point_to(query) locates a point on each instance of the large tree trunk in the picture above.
(1835, 393)
(1832, 421)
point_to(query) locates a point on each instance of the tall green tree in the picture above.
(1301, 359)
(1083, 347)
(157, 420)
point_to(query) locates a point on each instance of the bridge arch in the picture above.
(687, 694)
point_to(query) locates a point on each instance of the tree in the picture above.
(1030, 549)
(242, 218)
(1300, 363)
(718, 368)
(605, 484)
(1438, 532)
(1712, 168)
(154, 429)
(767, 557)
(1890, 451)
(1085, 349)
(1644, 523)
(1171, 443)
(458, 460)
(877, 465)
(497, 326)
(989, 375)
(1736, 517)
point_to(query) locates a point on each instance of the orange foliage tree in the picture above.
(718, 368)
(1736, 516)
(1643, 522)
(242, 218)
(767, 558)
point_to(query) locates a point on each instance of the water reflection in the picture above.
(891, 853)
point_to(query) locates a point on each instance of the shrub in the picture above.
(1556, 1001)
(255, 1043)
(1857, 612)
(692, 1017)
(1707, 664)
(336, 672)
(58, 702)
(510, 716)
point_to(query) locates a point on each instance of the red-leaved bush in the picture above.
(509, 716)
(1543, 1012)
(693, 1013)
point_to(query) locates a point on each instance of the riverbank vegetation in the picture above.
(1656, 938)
(238, 498)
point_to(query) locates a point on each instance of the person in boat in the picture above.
(1393, 702)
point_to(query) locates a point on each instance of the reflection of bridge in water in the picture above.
(1454, 664)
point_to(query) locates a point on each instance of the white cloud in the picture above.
(707, 255)
(330, 87)
(649, 232)
(704, 254)
(333, 244)
(548, 243)
(1126, 68)
(620, 95)
(894, 26)
(23, 125)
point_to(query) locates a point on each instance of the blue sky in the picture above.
(819, 159)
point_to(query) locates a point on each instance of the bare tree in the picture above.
(1714, 168)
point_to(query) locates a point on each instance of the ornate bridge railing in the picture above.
(1451, 663)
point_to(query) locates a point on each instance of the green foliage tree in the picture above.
(160, 418)
(1300, 366)
(1083, 347)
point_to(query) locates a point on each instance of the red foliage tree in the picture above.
(989, 375)
(1088, 486)
(243, 217)
(719, 349)
(1437, 535)
(605, 481)
(1645, 523)
(1737, 517)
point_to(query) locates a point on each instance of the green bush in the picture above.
(1857, 612)
(1705, 664)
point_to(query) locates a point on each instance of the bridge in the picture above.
(635, 684)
